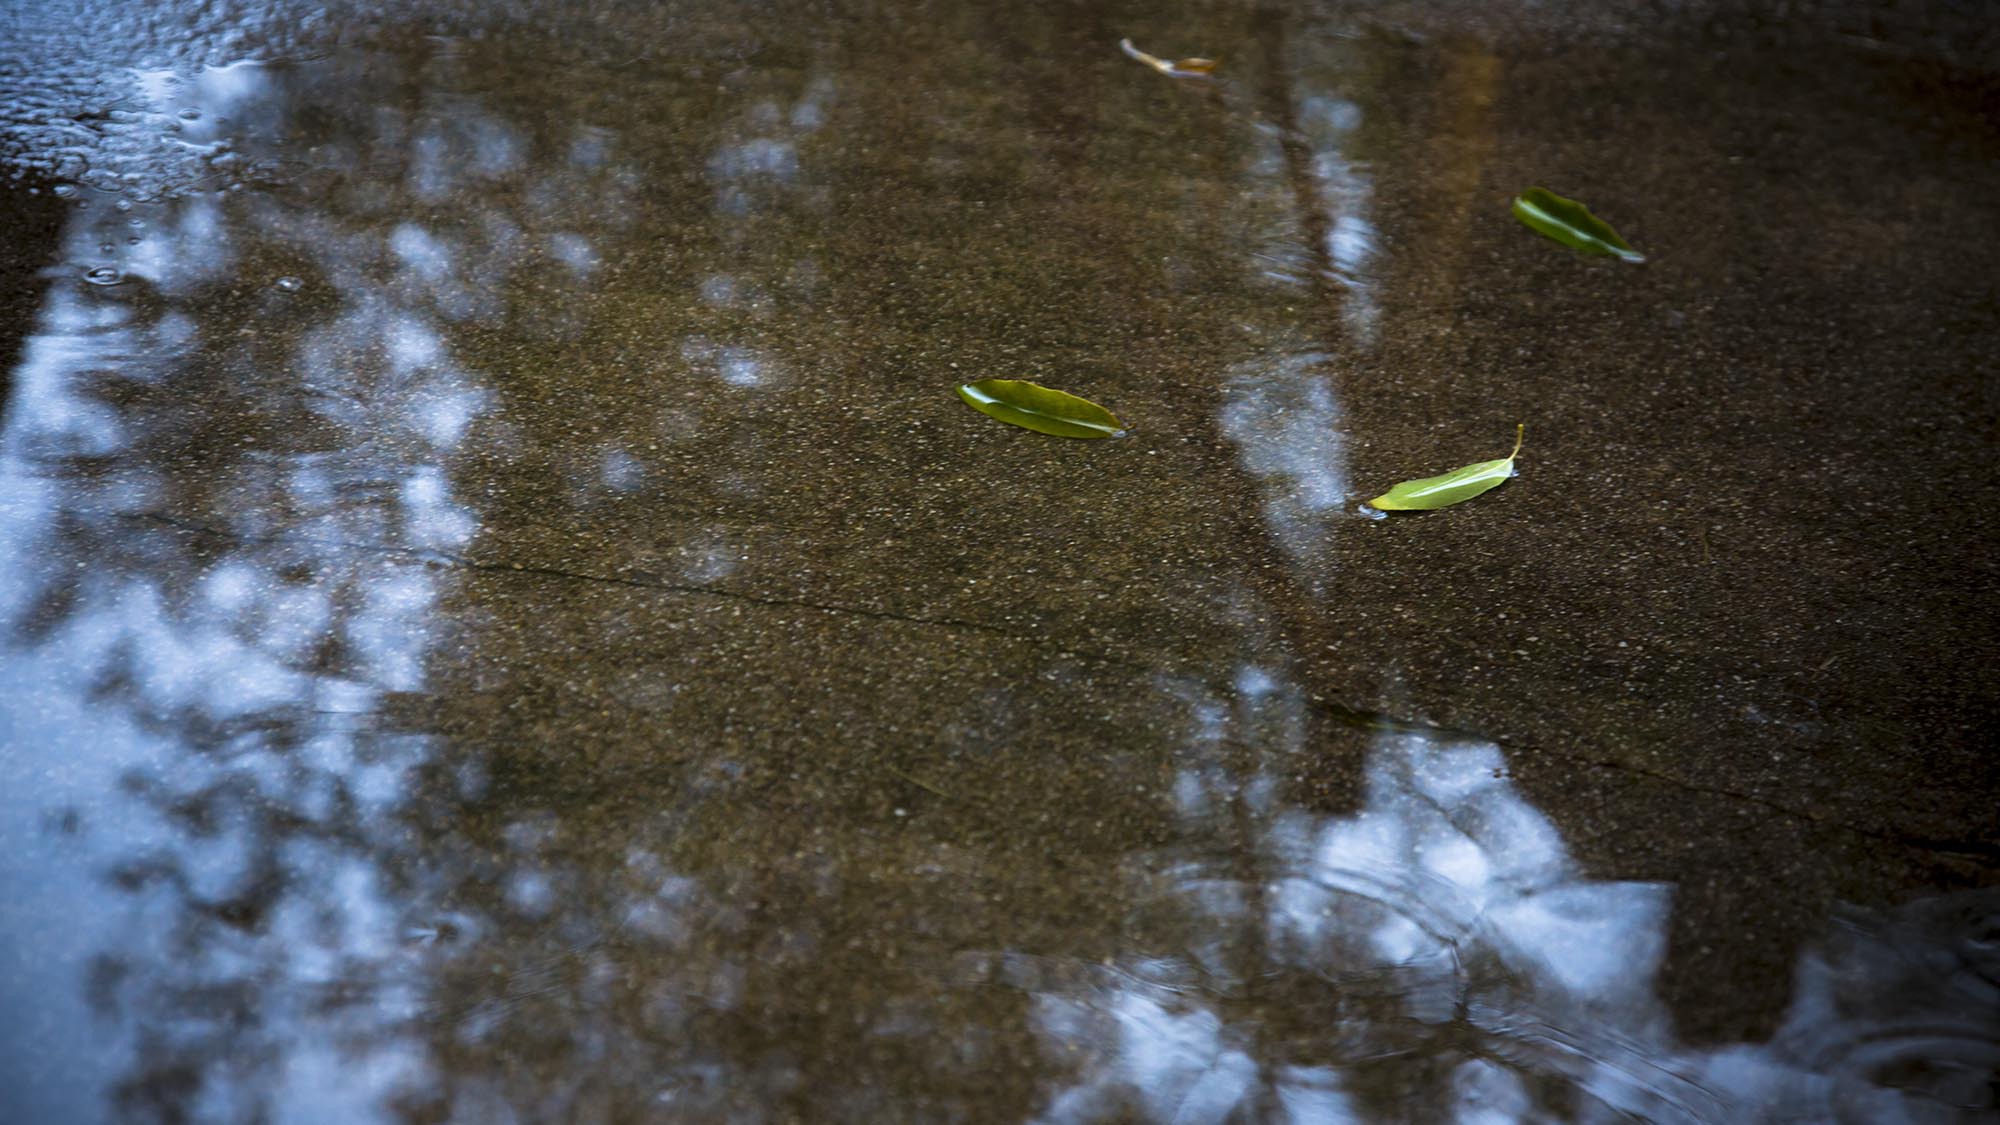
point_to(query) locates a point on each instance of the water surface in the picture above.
(504, 618)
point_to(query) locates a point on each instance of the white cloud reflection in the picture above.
(1282, 413)
(205, 531)
(1444, 925)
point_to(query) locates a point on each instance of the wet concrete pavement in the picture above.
(505, 618)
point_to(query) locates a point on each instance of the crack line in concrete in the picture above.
(1341, 713)
(445, 558)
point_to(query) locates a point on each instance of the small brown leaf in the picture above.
(1177, 68)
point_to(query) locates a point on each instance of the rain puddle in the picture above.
(504, 618)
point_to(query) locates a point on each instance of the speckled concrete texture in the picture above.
(502, 616)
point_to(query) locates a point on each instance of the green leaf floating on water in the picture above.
(1571, 224)
(1452, 487)
(1040, 408)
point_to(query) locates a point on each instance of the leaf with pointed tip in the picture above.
(1176, 68)
(1571, 224)
(1452, 487)
(1040, 408)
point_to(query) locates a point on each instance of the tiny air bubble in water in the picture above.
(289, 284)
(104, 275)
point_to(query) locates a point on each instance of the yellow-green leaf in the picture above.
(1451, 487)
(1571, 224)
(1042, 409)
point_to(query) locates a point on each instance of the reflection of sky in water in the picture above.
(196, 537)
(1341, 190)
(1281, 412)
(1281, 408)
(1444, 912)
(1440, 943)
(755, 170)
(733, 364)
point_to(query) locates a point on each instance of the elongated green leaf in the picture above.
(1451, 487)
(1040, 408)
(1571, 224)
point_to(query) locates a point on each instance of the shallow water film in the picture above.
(504, 616)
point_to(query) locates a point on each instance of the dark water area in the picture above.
(503, 617)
